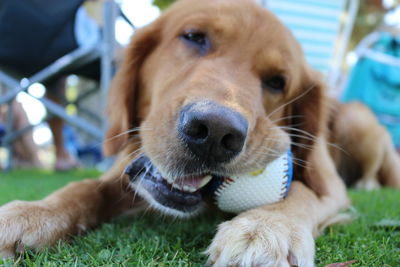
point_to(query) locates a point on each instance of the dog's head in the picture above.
(216, 87)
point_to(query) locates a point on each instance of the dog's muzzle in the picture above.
(184, 196)
(211, 135)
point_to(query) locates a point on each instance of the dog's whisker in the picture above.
(291, 101)
(295, 129)
(147, 210)
(309, 137)
(137, 186)
(137, 129)
(266, 151)
(127, 158)
(296, 161)
(140, 180)
(287, 117)
(272, 152)
(301, 137)
(275, 152)
(133, 130)
(298, 164)
(313, 137)
(305, 146)
(302, 146)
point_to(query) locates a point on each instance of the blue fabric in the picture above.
(89, 154)
(2, 132)
(290, 171)
(377, 85)
(34, 33)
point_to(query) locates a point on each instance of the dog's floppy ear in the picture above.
(121, 108)
(310, 122)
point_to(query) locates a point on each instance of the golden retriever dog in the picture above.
(220, 88)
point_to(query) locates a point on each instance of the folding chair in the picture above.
(323, 28)
(375, 79)
(70, 58)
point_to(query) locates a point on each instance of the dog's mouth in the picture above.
(181, 197)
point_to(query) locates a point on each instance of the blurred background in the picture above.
(355, 44)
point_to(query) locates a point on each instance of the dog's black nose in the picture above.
(212, 132)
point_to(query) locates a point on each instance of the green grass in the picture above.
(156, 241)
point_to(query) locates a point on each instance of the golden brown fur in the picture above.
(159, 75)
(368, 158)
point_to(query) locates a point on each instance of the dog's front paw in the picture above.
(258, 239)
(29, 224)
(368, 183)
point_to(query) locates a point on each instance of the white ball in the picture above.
(241, 193)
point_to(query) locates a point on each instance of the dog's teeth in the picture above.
(186, 186)
(205, 180)
(176, 186)
(170, 180)
(190, 189)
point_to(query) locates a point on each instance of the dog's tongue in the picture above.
(191, 184)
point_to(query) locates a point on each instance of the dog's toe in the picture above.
(28, 224)
(262, 241)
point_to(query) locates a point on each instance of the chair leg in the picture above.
(109, 13)
(7, 138)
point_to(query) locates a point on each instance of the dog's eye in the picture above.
(274, 83)
(197, 40)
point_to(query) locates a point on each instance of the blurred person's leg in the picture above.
(64, 160)
(25, 150)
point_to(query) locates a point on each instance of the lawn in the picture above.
(159, 241)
